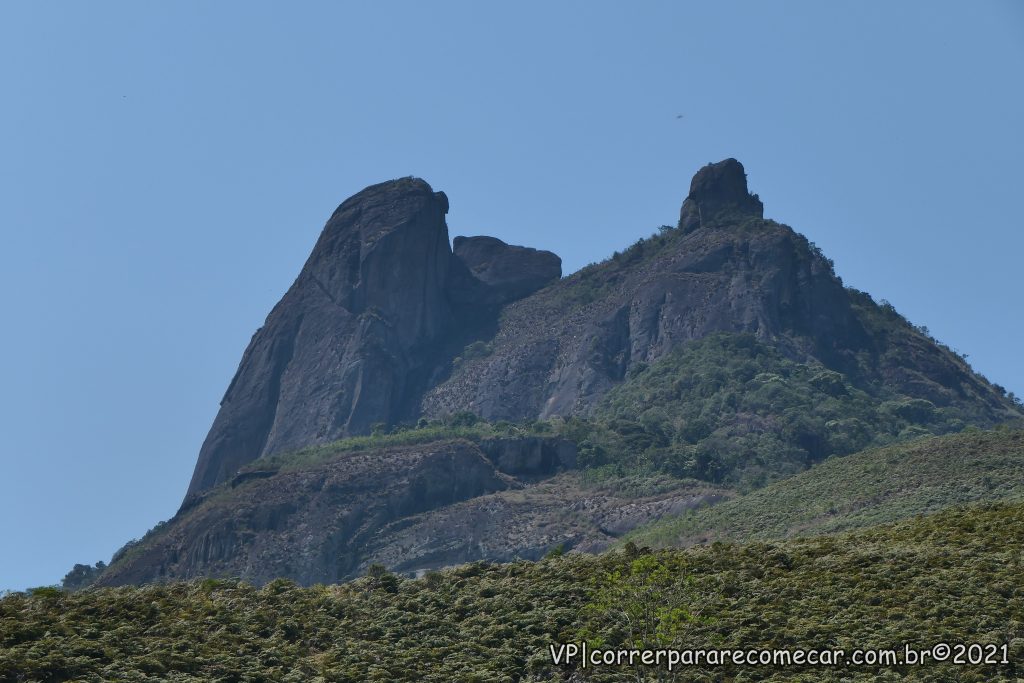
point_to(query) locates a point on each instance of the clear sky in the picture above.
(165, 169)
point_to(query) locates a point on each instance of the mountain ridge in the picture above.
(713, 357)
(387, 324)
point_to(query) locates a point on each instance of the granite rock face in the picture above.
(718, 190)
(370, 322)
(510, 272)
(337, 352)
(725, 269)
(559, 351)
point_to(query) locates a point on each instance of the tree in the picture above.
(82, 575)
(649, 603)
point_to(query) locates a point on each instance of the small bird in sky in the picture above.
(679, 116)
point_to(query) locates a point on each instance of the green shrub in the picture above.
(950, 577)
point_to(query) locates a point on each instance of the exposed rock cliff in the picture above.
(510, 272)
(364, 328)
(336, 351)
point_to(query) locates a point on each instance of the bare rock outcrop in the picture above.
(715, 190)
(510, 272)
(373, 319)
(726, 269)
(337, 353)
(309, 524)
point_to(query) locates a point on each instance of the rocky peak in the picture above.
(509, 271)
(717, 189)
(385, 251)
(369, 321)
(337, 352)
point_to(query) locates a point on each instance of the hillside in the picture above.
(443, 495)
(560, 351)
(730, 408)
(421, 406)
(874, 487)
(413, 501)
(953, 577)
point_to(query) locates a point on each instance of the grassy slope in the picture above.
(873, 487)
(950, 577)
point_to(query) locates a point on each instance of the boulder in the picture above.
(510, 272)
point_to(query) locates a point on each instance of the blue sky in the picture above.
(165, 169)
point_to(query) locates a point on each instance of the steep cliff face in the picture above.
(365, 326)
(335, 352)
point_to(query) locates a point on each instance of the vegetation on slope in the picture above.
(463, 425)
(952, 577)
(874, 487)
(726, 408)
(729, 408)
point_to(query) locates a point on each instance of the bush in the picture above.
(82, 575)
(463, 418)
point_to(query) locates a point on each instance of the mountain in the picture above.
(952, 577)
(368, 332)
(724, 269)
(416, 405)
(365, 328)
